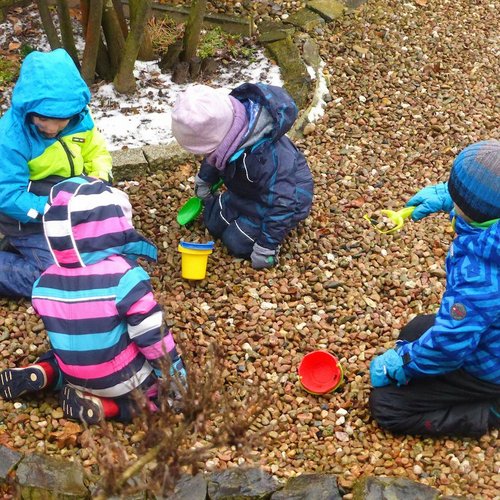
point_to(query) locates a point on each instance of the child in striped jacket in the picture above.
(105, 327)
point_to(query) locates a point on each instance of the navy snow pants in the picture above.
(453, 404)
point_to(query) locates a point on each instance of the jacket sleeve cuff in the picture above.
(208, 173)
(36, 213)
(265, 246)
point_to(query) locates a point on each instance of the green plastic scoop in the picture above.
(389, 221)
(193, 207)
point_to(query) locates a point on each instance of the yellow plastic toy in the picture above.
(389, 221)
(194, 259)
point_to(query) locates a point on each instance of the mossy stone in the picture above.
(305, 19)
(329, 10)
(297, 80)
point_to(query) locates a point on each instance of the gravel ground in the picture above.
(411, 84)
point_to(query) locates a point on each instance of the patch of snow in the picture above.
(311, 72)
(318, 110)
(144, 117)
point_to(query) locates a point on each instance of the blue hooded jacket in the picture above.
(268, 178)
(49, 84)
(466, 332)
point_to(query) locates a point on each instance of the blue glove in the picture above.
(431, 199)
(177, 370)
(263, 257)
(388, 368)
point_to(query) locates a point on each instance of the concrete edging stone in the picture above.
(135, 162)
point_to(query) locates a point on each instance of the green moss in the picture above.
(26, 49)
(217, 43)
(8, 70)
(293, 70)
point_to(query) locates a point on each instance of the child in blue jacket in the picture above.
(46, 136)
(443, 376)
(269, 184)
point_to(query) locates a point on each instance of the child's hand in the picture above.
(431, 199)
(263, 258)
(387, 368)
(202, 188)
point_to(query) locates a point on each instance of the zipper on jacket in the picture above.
(70, 156)
(245, 167)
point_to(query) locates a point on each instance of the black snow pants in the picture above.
(453, 404)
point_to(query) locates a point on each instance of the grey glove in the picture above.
(202, 188)
(263, 257)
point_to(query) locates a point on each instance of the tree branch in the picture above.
(92, 38)
(48, 24)
(67, 30)
(124, 81)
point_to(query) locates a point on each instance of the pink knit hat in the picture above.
(201, 118)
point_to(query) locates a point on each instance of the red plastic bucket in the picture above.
(320, 372)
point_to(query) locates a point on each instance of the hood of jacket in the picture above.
(484, 243)
(271, 111)
(49, 84)
(88, 221)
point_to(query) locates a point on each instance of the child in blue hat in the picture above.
(443, 375)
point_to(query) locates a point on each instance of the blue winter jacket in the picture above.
(466, 333)
(49, 84)
(268, 178)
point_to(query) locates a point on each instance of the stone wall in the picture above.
(38, 476)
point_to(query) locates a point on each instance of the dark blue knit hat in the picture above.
(474, 183)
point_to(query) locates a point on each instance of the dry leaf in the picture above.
(14, 45)
(422, 3)
(358, 202)
(68, 435)
(4, 439)
(75, 13)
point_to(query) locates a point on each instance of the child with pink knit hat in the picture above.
(269, 184)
